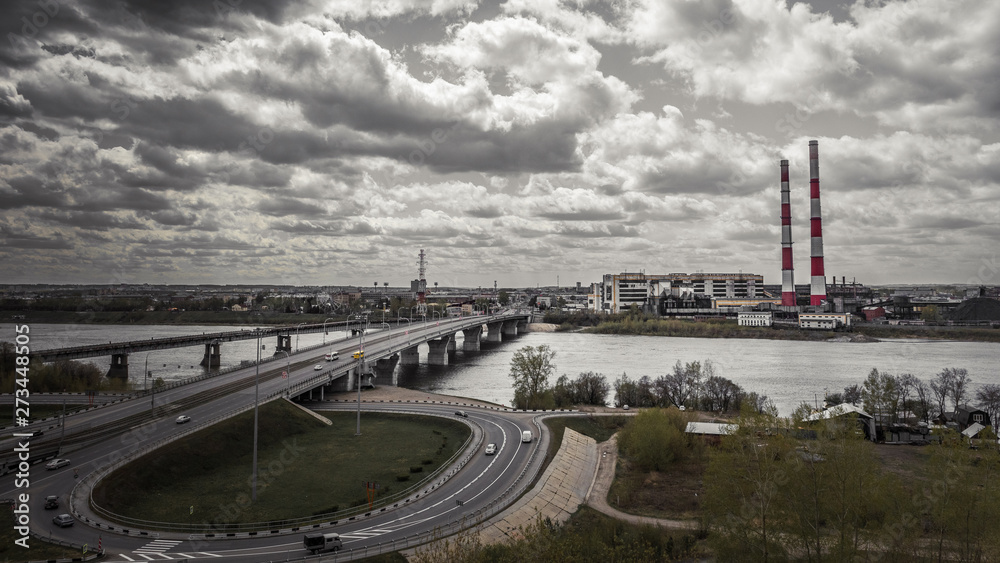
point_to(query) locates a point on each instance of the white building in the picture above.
(824, 321)
(755, 318)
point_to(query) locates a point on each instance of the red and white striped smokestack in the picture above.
(817, 293)
(787, 273)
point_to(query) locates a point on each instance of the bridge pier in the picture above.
(522, 327)
(509, 328)
(385, 370)
(409, 356)
(438, 353)
(452, 344)
(284, 344)
(494, 332)
(472, 337)
(213, 354)
(353, 377)
(119, 366)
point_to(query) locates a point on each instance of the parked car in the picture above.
(318, 367)
(63, 520)
(56, 464)
(183, 418)
(462, 414)
(51, 501)
(491, 449)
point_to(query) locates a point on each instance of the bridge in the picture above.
(439, 334)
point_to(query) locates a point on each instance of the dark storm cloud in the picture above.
(485, 212)
(31, 191)
(325, 228)
(285, 206)
(93, 220)
(547, 146)
(47, 133)
(28, 241)
(174, 218)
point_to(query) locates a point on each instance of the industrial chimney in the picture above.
(817, 293)
(787, 270)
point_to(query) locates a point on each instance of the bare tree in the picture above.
(941, 388)
(988, 397)
(922, 404)
(959, 383)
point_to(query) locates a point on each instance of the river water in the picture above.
(789, 372)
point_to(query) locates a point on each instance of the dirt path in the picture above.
(597, 498)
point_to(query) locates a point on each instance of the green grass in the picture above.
(304, 466)
(37, 549)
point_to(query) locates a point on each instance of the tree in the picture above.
(988, 397)
(503, 298)
(592, 389)
(880, 396)
(941, 388)
(654, 438)
(679, 387)
(626, 391)
(852, 394)
(959, 383)
(719, 394)
(530, 369)
(922, 404)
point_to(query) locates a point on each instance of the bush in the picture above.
(655, 438)
(416, 469)
(402, 478)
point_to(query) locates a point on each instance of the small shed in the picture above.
(710, 431)
(865, 420)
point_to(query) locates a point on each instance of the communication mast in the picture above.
(422, 284)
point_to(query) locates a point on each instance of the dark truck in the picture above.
(322, 542)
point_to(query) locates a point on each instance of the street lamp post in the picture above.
(297, 327)
(361, 356)
(324, 327)
(256, 401)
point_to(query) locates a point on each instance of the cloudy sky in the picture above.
(327, 142)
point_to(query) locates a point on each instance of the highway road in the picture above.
(113, 432)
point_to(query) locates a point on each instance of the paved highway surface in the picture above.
(110, 433)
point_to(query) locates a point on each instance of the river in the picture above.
(789, 372)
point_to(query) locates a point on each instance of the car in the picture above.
(491, 449)
(51, 501)
(56, 464)
(183, 418)
(318, 367)
(462, 414)
(63, 520)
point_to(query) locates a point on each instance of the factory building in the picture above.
(825, 321)
(653, 292)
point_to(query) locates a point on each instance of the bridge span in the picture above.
(441, 344)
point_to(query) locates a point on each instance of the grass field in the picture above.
(304, 466)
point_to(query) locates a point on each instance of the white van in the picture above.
(332, 356)
(526, 436)
(322, 542)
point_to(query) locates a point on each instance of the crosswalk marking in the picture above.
(209, 554)
(127, 557)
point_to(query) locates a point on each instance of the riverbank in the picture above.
(730, 329)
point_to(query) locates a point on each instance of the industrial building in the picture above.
(655, 293)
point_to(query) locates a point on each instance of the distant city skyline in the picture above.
(327, 142)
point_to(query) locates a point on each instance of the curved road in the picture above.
(122, 429)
